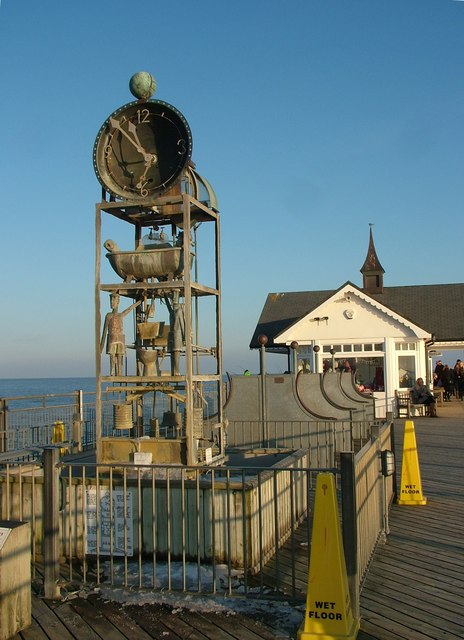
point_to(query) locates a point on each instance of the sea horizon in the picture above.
(20, 387)
(50, 378)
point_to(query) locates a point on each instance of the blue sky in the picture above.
(310, 118)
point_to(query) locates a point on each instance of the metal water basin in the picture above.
(148, 263)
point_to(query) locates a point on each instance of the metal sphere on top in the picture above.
(294, 345)
(142, 85)
(262, 339)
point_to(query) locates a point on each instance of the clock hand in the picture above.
(133, 129)
(150, 160)
(136, 143)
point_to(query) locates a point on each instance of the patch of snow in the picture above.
(282, 616)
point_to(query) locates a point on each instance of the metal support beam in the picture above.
(349, 526)
(51, 526)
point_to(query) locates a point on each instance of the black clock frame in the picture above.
(142, 149)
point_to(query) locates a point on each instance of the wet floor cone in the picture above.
(411, 487)
(328, 613)
(58, 434)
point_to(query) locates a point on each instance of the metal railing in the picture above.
(324, 439)
(196, 529)
(202, 530)
(30, 421)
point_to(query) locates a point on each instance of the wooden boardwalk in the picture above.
(414, 589)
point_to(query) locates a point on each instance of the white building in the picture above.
(385, 335)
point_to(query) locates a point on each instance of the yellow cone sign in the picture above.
(328, 606)
(411, 487)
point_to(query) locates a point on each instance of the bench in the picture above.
(438, 393)
(405, 408)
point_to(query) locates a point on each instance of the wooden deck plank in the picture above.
(244, 628)
(419, 624)
(77, 626)
(433, 592)
(431, 575)
(160, 624)
(119, 618)
(414, 587)
(424, 604)
(48, 621)
(34, 632)
(378, 620)
(375, 627)
(94, 617)
(206, 627)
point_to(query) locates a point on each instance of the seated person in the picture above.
(421, 395)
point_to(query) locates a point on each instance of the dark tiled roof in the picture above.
(436, 308)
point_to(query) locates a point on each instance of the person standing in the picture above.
(447, 382)
(459, 379)
(438, 373)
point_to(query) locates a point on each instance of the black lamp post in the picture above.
(263, 340)
(316, 350)
(294, 348)
(333, 352)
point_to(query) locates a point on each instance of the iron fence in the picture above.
(31, 421)
(199, 529)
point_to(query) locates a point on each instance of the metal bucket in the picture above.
(122, 416)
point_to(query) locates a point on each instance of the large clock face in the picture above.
(142, 149)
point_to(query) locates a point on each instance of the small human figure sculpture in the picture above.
(176, 337)
(113, 331)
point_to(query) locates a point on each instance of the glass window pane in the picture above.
(369, 372)
(406, 371)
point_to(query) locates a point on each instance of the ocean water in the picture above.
(26, 388)
(14, 387)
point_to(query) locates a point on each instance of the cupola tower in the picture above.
(372, 271)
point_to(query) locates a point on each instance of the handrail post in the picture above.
(350, 526)
(262, 370)
(3, 425)
(78, 420)
(375, 436)
(51, 522)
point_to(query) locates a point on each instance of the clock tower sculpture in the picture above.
(159, 358)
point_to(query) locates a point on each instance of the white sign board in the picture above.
(116, 540)
(143, 457)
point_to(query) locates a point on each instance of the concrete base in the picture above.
(163, 451)
(15, 578)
